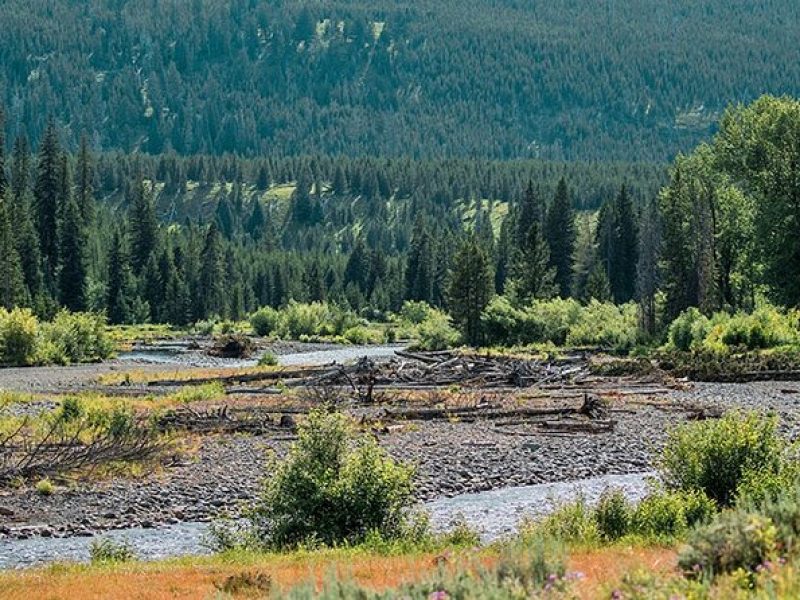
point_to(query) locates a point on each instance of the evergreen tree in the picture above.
(85, 183)
(584, 259)
(534, 277)
(531, 212)
(560, 231)
(256, 223)
(224, 218)
(20, 168)
(3, 176)
(623, 282)
(120, 288)
(46, 194)
(27, 242)
(357, 270)
(212, 275)
(597, 285)
(647, 267)
(73, 268)
(470, 290)
(143, 226)
(12, 284)
(153, 288)
(420, 265)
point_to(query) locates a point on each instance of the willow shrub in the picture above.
(716, 457)
(19, 337)
(333, 488)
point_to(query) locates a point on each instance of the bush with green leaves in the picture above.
(736, 539)
(613, 515)
(264, 321)
(333, 488)
(436, 332)
(670, 514)
(717, 456)
(107, 551)
(415, 312)
(75, 337)
(688, 331)
(19, 336)
(605, 325)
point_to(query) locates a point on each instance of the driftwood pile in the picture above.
(430, 370)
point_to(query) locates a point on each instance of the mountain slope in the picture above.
(557, 79)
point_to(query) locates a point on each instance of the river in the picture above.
(494, 514)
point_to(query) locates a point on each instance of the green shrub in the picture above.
(415, 312)
(332, 489)
(107, 551)
(503, 324)
(607, 326)
(361, 335)
(669, 514)
(45, 487)
(613, 515)
(268, 359)
(556, 318)
(735, 540)
(436, 332)
(689, 330)
(716, 456)
(569, 522)
(18, 336)
(77, 337)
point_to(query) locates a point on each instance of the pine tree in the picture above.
(120, 288)
(224, 218)
(339, 185)
(420, 266)
(358, 267)
(27, 241)
(85, 183)
(560, 231)
(256, 223)
(623, 283)
(584, 260)
(12, 284)
(531, 212)
(534, 277)
(153, 288)
(20, 169)
(597, 285)
(46, 194)
(3, 177)
(212, 275)
(647, 279)
(470, 289)
(73, 267)
(143, 226)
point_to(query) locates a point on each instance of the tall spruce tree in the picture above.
(3, 176)
(47, 190)
(120, 287)
(534, 277)
(84, 179)
(12, 285)
(72, 267)
(647, 279)
(623, 284)
(212, 275)
(143, 225)
(470, 289)
(420, 266)
(560, 235)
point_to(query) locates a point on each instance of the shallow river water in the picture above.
(495, 513)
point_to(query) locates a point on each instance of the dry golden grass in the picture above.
(199, 578)
(181, 580)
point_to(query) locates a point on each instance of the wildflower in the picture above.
(439, 595)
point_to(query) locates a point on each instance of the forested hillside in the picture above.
(556, 79)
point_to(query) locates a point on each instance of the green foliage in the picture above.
(717, 456)
(735, 540)
(19, 336)
(265, 321)
(605, 326)
(332, 489)
(107, 551)
(766, 327)
(45, 487)
(75, 337)
(613, 515)
(70, 337)
(670, 514)
(570, 522)
(436, 332)
(268, 359)
(415, 312)
(199, 393)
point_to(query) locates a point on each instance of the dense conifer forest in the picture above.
(633, 80)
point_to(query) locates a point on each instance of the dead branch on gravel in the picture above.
(37, 448)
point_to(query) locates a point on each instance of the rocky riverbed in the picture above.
(453, 458)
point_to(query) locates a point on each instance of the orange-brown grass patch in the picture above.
(604, 567)
(160, 581)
